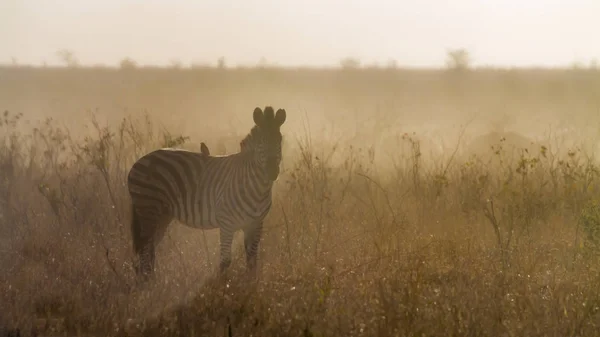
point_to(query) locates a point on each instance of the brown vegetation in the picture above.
(370, 234)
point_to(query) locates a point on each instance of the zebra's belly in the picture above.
(238, 222)
(248, 218)
(232, 218)
(199, 224)
(198, 219)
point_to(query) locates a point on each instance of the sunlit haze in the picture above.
(301, 33)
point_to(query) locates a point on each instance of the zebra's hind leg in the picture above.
(147, 257)
(148, 228)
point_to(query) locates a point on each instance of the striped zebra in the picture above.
(230, 192)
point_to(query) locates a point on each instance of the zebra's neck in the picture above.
(254, 171)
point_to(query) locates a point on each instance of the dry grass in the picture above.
(361, 240)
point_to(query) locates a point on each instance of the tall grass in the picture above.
(375, 229)
(462, 248)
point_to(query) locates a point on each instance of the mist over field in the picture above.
(431, 184)
(409, 201)
(362, 107)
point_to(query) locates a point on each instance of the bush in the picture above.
(590, 223)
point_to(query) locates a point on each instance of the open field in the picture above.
(400, 210)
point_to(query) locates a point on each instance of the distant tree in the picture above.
(68, 57)
(176, 64)
(577, 65)
(458, 59)
(263, 63)
(594, 64)
(350, 63)
(221, 64)
(127, 63)
(392, 64)
(14, 62)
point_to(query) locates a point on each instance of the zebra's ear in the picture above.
(259, 117)
(280, 117)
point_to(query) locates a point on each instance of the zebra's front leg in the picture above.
(226, 238)
(252, 236)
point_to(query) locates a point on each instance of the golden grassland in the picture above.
(407, 203)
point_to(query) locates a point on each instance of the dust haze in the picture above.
(364, 108)
(430, 184)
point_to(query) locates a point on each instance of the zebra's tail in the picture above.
(136, 232)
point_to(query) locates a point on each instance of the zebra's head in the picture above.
(266, 139)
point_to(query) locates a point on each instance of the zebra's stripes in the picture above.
(230, 192)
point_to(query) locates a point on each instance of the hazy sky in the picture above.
(301, 32)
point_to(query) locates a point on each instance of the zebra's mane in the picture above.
(246, 143)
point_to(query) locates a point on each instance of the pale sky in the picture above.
(303, 32)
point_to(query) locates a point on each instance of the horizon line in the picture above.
(299, 67)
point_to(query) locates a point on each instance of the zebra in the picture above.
(230, 192)
(204, 149)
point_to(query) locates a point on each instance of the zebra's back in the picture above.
(170, 181)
